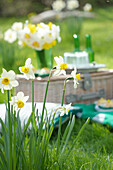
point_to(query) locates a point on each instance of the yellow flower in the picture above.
(39, 25)
(32, 28)
(19, 100)
(53, 42)
(20, 104)
(7, 80)
(76, 77)
(35, 44)
(61, 66)
(46, 46)
(50, 24)
(65, 110)
(24, 69)
(27, 36)
(27, 70)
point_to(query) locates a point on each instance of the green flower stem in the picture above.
(10, 133)
(63, 92)
(14, 138)
(32, 95)
(41, 124)
(46, 95)
(33, 102)
(60, 122)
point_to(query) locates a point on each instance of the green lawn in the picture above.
(94, 151)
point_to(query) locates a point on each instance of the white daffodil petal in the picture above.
(7, 87)
(2, 90)
(19, 101)
(20, 69)
(61, 59)
(25, 98)
(14, 83)
(57, 60)
(28, 62)
(20, 95)
(63, 72)
(4, 73)
(11, 74)
(56, 73)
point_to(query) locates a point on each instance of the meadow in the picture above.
(94, 150)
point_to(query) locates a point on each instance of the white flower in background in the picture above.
(76, 77)
(61, 66)
(58, 5)
(55, 32)
(7, 80)
(10, 36)
(40, 36)
(65, 110)
(27, 70)
(19, 100)
(72, 4)
(87, 7)
(17, 26)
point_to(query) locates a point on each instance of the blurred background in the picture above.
(98, 23)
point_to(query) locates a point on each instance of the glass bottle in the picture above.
(89, 49)
(76, 42)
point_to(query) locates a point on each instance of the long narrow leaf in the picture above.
(3, 158)
(27, 124)
(1, 142)
(69, 133)
(1, 165)
(76, 139)
(3, 125)
(64, 135)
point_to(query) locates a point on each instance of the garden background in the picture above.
(95, 147)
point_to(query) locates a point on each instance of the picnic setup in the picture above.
(56, 85)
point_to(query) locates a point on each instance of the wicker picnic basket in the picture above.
(92, 86)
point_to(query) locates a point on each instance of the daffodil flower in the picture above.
(65, 110)
(27, 70)
(38, 37)
(17, 26)
(87, 7)
(72, 4)
(19, 100)
(58, 5)
(61, 66)
(10, 36)
(76, 77)
(7, 80)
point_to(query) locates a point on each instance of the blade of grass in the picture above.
(76, 139)
(69, 133)
(3, 158)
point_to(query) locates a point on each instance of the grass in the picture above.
(94, 151)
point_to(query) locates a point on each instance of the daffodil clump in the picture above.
(39, 37)
(20, 150)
